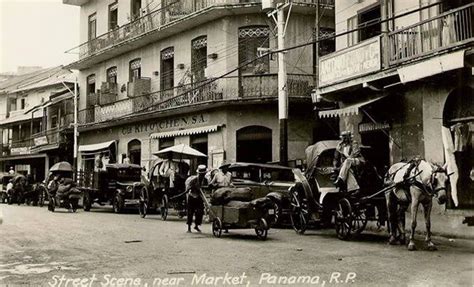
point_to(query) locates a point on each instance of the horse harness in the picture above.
(429, 190)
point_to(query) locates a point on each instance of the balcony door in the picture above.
(250, 40)
(135, 71)
(167, 72)
(198, 58)
(92, 27)
(136, 7)
(91, 97)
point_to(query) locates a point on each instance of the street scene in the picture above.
(236, 143)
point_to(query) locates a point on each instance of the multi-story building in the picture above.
(37, 110)
(402, 76)
(150, 74)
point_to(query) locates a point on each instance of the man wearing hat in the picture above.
(195, 202)
(347, 155)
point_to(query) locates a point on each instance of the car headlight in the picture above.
(129, 188)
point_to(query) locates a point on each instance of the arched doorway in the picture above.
(458, 116)
(135, 151)
(254, 144)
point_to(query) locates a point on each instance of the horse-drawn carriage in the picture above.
(315, 198)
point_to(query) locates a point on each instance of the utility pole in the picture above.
(76, 135)
(282, 88)
(316, 45)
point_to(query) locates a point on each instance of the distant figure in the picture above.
(105, 161)
(98, 165)
(126, 159)
(11, 171)
(168, 169)
(195, 202)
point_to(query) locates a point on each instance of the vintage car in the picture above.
(118, 185)
(265, 180)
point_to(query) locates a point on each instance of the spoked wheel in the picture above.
(359, 221)
(87, 201)
(217, 227)
(41, 196)
(299, 213)
(343, 219)
(262, 229)
(143, 203)
(164, 207)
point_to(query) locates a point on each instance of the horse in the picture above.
(415, 183)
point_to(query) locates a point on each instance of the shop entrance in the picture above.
(135, 151)
(200, 143)
(458, 116)
(254, 144)
(378, 151)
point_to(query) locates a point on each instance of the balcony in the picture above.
(209, 91)
(139, 87)
(447, 32)
(108, 93)
(180, 15)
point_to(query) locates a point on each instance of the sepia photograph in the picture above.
(236, 143)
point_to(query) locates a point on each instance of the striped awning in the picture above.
(347, 111)
(193, 131)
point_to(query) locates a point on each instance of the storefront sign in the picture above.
(349, 63)
(43, 140)
(19, 150)
(370, 127)
(166, 124)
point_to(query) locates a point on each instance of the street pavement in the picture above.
(54, 249)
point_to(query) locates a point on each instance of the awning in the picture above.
(94, 148)
(431, 67)
(22, 156)
(193, 131)
(347, 111)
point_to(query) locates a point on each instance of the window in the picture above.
(353, 37)
(112, 75)
(90, 90)
(136, 9)
(23, 103)
(198, 58)
(92, 27)
(135, 70)
(113, 16)
(328, 45)
(54, 121)
(12, 102)
(369, 17)
(167, 68)
(250, 39)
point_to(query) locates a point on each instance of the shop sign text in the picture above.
(165, 124)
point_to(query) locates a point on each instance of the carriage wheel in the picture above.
(343, 219)
(164, 207)
(262, 229)
(143, 203)
(299, 213)
(217, 227)
(359, 221)
(41, 196)
(74, 203)
(86, 201)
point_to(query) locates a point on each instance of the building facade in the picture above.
(153, 75)
(37, 110)
(402, 77)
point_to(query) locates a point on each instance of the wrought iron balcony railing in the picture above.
(170, 12)
(209, 91)
(444, 31)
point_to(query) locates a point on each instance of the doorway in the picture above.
(135, 151)
(254, 144)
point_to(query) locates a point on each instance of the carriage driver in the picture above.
(347, 154)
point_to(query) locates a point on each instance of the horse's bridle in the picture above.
(434, 191)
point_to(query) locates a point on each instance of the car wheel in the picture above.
(262, 229)
(143, 203)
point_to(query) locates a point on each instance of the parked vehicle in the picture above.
(66, 196)
(15, 194)
(315, 198)
(266, 180)
(119, 185)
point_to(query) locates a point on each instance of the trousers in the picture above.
(346, 166)
(196, 209)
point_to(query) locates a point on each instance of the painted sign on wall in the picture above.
(166, 124)
(358, 60)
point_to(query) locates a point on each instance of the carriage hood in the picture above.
(313, 151)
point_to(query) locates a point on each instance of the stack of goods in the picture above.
(239, 198)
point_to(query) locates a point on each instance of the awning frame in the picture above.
(185, 132)
(349, 110)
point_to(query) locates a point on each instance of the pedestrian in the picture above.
(195, 202)
(168, 170)
(347, 154)
(98, 162)
(126, 159)
(11, 171)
